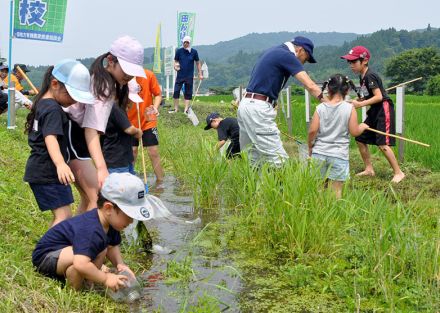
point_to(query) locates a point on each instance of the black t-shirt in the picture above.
(229, 129)
(83, 232)
(116, 144)
(50, 119)
(368, 83)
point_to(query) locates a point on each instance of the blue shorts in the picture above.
(52, 196)
(125, 169)
(332, 168)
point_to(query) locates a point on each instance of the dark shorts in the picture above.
(150, 137)
(52, 196)
(382, 119)
(48, 267)
(188, 90)
(77, 144)
(233, 150)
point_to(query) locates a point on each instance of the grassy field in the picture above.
(299, 250)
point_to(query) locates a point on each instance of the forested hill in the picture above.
(231, 62)
(382, 44)
(220, 52)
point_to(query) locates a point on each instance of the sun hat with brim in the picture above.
(127, 191)
(76, 77)
(133, 91)
(3, 66)
(358, 52)
(209, 119)
(130, 55)
(307, 45)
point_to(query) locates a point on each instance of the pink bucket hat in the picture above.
(130, 55)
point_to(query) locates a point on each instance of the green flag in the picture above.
(40, 19)
(157, 65)
(185, 26)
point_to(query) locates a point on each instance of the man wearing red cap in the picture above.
(257, 110)
(380, 116)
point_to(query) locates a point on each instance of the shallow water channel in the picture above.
(211, 276)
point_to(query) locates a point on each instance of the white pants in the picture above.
(259, 134)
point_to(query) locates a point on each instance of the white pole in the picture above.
(289, 113)
(174, 71)
(400, 113)
(364, 113)
(11, 109)
(307, 101)
(168, 87)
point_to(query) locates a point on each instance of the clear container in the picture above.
(130, 293)
(150, 114)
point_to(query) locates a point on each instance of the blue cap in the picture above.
(307, 44)
(76, 77)
(209, 119)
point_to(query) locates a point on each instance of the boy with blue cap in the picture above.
(227, 128)
(257, 110)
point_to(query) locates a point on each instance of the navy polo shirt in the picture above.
(272, 71)
(186, 60)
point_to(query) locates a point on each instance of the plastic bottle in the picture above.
(150, 114)
(130, 293)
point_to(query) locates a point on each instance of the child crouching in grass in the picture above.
(329, 132)
(76, 248)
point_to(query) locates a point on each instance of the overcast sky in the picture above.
(91, 25)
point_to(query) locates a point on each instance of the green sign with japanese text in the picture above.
(40, 19)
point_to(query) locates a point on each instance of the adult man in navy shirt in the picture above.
(257, 111)
(184, 65)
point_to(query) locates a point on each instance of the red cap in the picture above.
(358, 52)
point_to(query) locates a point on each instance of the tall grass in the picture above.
(370, 244)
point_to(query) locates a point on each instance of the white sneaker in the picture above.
(172, 111)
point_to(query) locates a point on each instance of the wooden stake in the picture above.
(405, 83)
(399, 137)
(142, 145)
(27, 79)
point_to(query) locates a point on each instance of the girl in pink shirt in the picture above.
(110, 74)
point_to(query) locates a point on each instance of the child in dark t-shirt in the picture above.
(47, 171)
(380, 116)
(76, 248)
(117, 142)
(227, 128)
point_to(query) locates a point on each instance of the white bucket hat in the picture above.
(127, 191)
(76, 77)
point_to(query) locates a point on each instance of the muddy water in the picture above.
(212, 275)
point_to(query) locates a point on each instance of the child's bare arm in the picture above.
(88, 270)
(65, 175)
(354, 128)
(220, 143)
(133, 131)
(114, 255)
(377, 98)
(313, 131)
